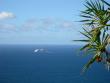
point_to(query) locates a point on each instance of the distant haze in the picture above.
(40, 21)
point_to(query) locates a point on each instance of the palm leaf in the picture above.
(105, 2)
(103, 35)
(91, 61)
(86, 35)
(87, 32)
(82, 40)
(86, 46)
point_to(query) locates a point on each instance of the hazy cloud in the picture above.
(33, 24)
(7, 27)
(30, 23)
(47, 22)
(6, 15)
(67, 24)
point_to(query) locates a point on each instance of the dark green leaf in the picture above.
(92, 60)
(84, 47)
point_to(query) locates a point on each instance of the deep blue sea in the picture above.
(54, 64)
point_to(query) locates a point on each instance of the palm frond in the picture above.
(105, 2)
(82, 40)
(91, 61)
(86, 35)
(96, 16)
(85, 47)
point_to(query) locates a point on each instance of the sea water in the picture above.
(54, 64)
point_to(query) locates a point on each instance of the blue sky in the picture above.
(40, 21)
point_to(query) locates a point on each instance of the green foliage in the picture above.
(96, 17)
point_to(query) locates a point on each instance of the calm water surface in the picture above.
(53, 64)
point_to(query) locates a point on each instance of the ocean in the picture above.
(48, 64)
